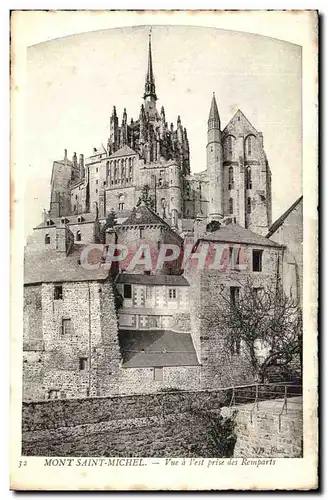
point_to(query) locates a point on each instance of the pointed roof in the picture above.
(273, 228)
(214, 112)
(143, 216)
(123, 151)
(234, 233)
(239, 119)
(150, 79)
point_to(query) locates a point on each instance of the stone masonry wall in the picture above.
(170, 424)
(135, 380)
(219, 366)
(92, 335)
(145, 425)
(263, 432)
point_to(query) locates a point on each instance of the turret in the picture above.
(214, 163)
(124, 129)
(114, 130)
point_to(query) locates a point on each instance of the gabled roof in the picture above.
(273, 228)
(156, 348)
(234, 233)
(157, 279)
(124, 151)
(50, 266)
(143, 216)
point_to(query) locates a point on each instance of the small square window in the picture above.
(83, 363)
(257, 261)
(158, 374)
(58, 292)
(127, 292)
(172, 293)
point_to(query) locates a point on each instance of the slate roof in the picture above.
(124, 151)
(50, 266)
(156, 348)
(72, 219)
(144, 216)
(234, 233)
(273, 228)
(157, 279)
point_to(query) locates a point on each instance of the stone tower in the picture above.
(214, 163)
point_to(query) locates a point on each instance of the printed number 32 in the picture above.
(22, 463)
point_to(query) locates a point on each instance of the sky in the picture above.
(74, 82)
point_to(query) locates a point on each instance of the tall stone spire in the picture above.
(214, 117)
(150, 80)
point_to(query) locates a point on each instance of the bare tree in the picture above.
(264, 323)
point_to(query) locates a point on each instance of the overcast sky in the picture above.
(73, 83)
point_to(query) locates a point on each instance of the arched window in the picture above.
(249, 145)
(47, 239)
(249, 205)
(248, 178)
(230, 206)
(231, 181)
(78, 236)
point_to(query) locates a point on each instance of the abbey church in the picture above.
(94, 333)
(149, 152)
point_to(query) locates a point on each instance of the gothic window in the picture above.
(160, 182)
(47, 239)
(231, 180)
(78, 236)
(107, 169)
(248, 178)
(249, 205)
(249, 146)
(230, 206)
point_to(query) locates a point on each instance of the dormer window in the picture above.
(49, 222)
(63, 220)
(80, 218)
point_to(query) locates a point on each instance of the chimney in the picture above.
(81, 165)
(65, 154)
(74, 159)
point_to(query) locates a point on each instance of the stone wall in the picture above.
(167, 424)
(141, 380)
(146, 425)
(264, 432)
